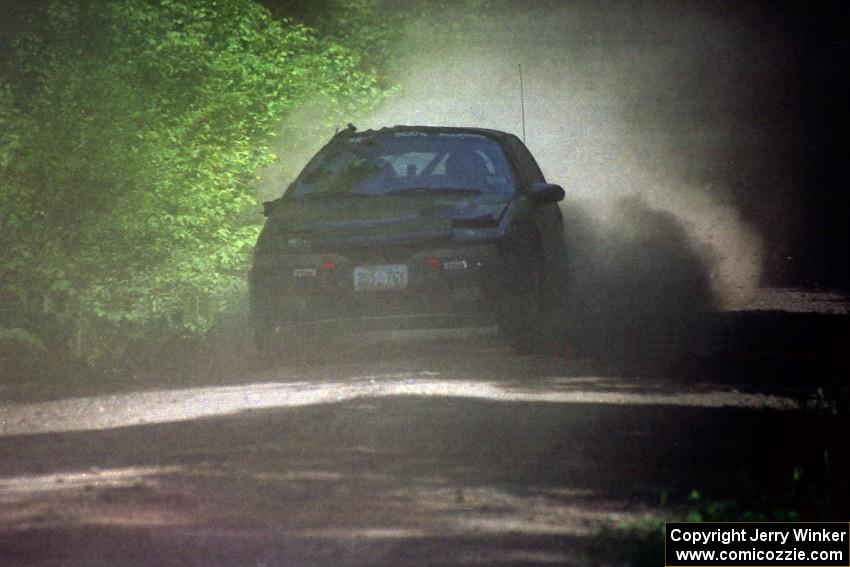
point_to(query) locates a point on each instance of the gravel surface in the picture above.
(106, 412)
(420, 451)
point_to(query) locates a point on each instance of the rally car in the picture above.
(410, 227)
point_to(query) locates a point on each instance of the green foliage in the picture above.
(634, 542)
(22, 338)
(131, 132)
(371, 30)
(701, 509)
(816, 490)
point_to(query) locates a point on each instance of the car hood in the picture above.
(383, 218)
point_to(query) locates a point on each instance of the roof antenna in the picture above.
(522, 102)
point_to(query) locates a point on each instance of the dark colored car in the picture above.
(410, 227)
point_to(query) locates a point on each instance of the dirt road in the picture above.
(420, 451)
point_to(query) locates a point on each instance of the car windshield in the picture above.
(404, 163)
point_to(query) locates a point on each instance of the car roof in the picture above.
(497, 134)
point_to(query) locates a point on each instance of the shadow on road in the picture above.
(402, 480)
(502, 458)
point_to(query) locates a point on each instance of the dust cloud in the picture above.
(588, 69)
(634, 109)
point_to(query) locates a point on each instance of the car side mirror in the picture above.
(546, 193)
(269, 206)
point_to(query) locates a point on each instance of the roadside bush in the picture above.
(131, 132)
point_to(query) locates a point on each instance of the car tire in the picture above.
(542, 332)
(531, 317)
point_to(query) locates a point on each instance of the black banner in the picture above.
(758, 544)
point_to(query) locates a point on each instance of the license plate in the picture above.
(380, 278)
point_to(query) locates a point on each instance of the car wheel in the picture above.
(530, 312)
(540, 328)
